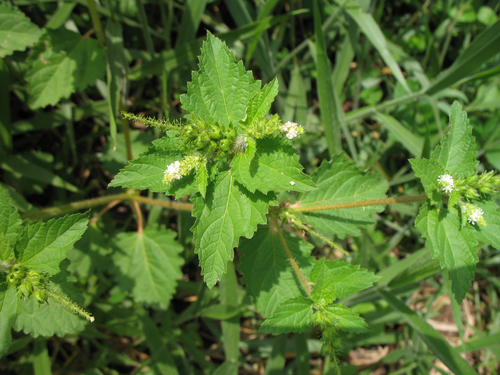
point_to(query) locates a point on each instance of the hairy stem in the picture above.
(372, 202)
(75, 206)
(294, 264)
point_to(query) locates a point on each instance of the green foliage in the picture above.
(325, 260)
(16, 30)
(30, 254)
(448, 226)
(266, 270)
(340, 181)
(149, 265)
(228, 212)
(64, 62)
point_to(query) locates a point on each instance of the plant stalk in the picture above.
(96, 22)
(294, 264)
(372, 202)
(55, 211)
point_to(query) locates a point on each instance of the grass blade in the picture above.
(436, 343)
(370, 28)
(162, 357)
(191, 18)
(412, 142)
(485, 46)
(277, 360)
(40, 357)
(329, 102)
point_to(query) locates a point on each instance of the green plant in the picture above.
(135, 269)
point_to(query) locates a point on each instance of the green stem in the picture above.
(372, 202)
(126, 133)
(294, 264)
(55, 211)
(96, 22)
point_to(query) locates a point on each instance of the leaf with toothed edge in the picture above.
(228, 212)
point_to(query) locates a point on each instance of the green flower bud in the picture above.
(224, 144)
(214, 132)
(40, 295)
(26, 289)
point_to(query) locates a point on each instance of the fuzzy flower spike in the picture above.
(172, 172)
(446, 183)
(292, 129)
(476, 216)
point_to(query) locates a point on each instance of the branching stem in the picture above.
(372, 202)
(75, 206)
(294, 264)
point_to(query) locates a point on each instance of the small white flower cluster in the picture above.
(292, 129)
(173, 171)
(446, 182)
(475, 216)
(5, 266)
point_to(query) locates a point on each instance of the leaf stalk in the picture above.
(371, 202)
(294, 264)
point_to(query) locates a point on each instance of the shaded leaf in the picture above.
(266, 269)
(10, 220)
(8, 315)
(149, 265)
(70, 62)
(16, 30)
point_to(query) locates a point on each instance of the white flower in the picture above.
(475, 216)
(292, 183)
(173, 171)
(446, 182)
(292, 129)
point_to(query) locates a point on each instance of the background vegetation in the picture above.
(382, 92)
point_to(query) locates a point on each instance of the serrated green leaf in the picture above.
(294, 315)
(47, 319)
(222, 87)
(8, 315)
(274, 166)
(428, 171)
(202, 180)
(148, 170)
(16, 30)
(10, 219)
(260, 103)
(89, 253)
(340, 181)
(346, 319)
(266, 269)
(337, 279)
(69, 63)
(453, 245)
(457, 151)
(149, 265)
(43, 246)
(229, 212)
(490, 233)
